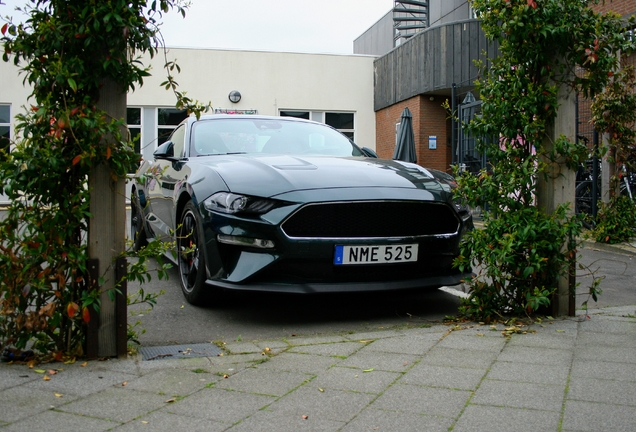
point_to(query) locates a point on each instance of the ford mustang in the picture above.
(289, 205)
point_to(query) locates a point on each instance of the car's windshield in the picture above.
(270, 136)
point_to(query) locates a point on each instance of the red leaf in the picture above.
(71, 309)
(4, 28)
(76, 159)
(58, 356)
(86, 315)
(107, 152)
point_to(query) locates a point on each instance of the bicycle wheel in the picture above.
(583, 203)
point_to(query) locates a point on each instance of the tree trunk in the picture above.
(559, 188)
(107, 226)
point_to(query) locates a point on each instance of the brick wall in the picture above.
(621, 7)
(429, 119)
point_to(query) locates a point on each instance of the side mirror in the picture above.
(369, 153)
(164, 151)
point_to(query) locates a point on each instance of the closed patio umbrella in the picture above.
(405, 145)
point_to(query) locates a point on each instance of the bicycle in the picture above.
(583, 202)
(627, 183)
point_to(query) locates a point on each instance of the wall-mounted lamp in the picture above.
(432, 98)
(234, 96)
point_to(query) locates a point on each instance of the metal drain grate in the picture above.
(180, 351)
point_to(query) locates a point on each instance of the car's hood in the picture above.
(271, 175)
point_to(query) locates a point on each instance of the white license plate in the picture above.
(377, 254)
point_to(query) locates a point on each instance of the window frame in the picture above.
(7, 125)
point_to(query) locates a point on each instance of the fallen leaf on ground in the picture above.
(40, 371)
(124, 383)
(46, 378)
(84, 364)
(52, 372)
(368, 370)
(59, 395)
(305, 417)
(321, 390)
(171, 400)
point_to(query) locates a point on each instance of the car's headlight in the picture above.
(227, 202)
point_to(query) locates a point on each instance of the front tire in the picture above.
(191, 256)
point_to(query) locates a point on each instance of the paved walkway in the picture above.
(575, 374)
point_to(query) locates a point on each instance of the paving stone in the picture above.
(163, 421)
(264, 381)
(220, 405)
(147, 366)
(484, 330)
(423, 400)
(544, 340)
(343, 378)
(172, 382)
(316, 340)
(519, 395)
(281, 422)
(481, 418)
(374, 335)
(529, 373)
(444, 376)
(342, 349)
(298, 362)
(242, 347)
(71, 422)
(336, 405)
(81, 381)
(593, 417)
(380, 361)
(600, 325)
(23, 402)
(543, 356)
(458, 340)
(404, 344)
(603, 370)
(460, 358)
(116, 404)
(603, 391)
(16, 375)
(606, 353)
(387, 421)
(605, 339)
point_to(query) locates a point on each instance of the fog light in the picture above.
(245, 241)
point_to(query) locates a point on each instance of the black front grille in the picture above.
(371, 219)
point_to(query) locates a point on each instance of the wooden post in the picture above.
(559, 188)
(106, 228)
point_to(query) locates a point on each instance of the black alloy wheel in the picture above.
(191, 256)
(137, 229)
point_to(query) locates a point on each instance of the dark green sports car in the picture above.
(288, 205)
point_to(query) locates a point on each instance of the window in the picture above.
(5, 127)
(167, 120)
(133, 119)
(178, 139)
(343, 121)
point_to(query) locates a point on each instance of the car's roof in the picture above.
(252, 117)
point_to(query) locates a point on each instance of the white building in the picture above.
(333, 89)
